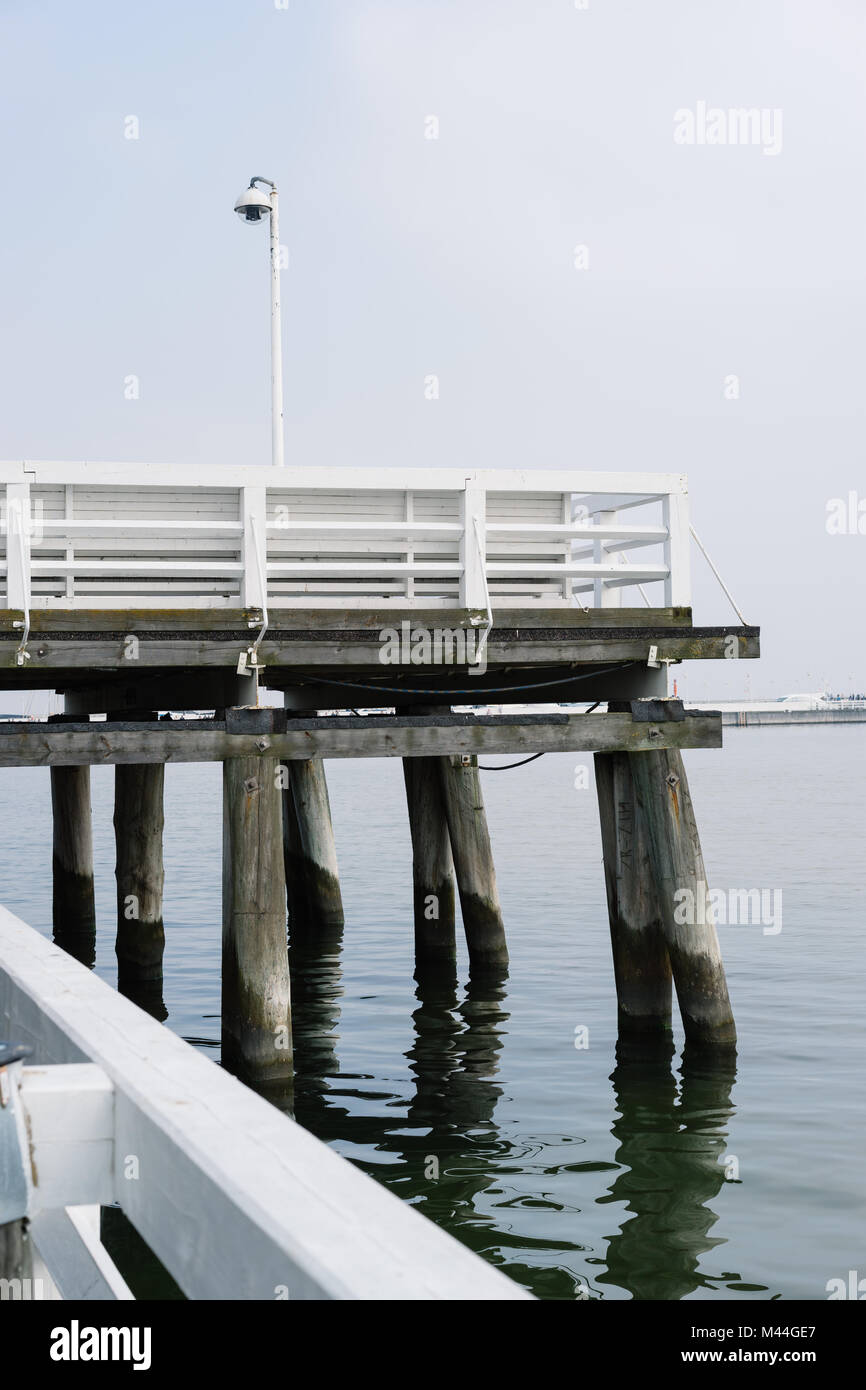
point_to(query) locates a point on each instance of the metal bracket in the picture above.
(248, 663)
(655, 661)
(22, 654)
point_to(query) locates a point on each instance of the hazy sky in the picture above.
(456, 256)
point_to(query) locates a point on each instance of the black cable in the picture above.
(486, 690)
(505, 767)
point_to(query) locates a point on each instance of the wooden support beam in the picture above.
(432, 864)
(256, 999)
(63, 663)
(339, 620)
(314, 849)
(640, 959)
(138, 827)
(473, 863)
(678, 869)
(73, 901)
(370, 736)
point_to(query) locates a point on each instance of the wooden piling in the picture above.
(311, 845)
(473, 862)
(256, 996)
(681, 884)
(138, 827)
(294, 864)
(641, 966)
(73, 902)
(432, 864)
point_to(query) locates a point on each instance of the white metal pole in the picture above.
(276, 341)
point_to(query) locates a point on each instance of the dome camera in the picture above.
(253, 205)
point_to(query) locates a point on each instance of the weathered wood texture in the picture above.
(219, 620)
(404, 736)
(640, 959)
(432, 863)
(314, 846)
(675, 850)
(473, 863)
(73, 901)
(58, 662)
(256, 999)
(138, 829)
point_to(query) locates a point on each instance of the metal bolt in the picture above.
(251, 785)
(672, 779)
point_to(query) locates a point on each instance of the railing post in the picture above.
(566, 518)
(255, 547)
(473, 547)
(603, 594)
(17, 527)
(675, 515)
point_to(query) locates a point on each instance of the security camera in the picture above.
(253, 205)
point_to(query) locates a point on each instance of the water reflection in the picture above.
(434, 1140)
(455, 1051)
(672, 1136)
(79, 944)
(317, 986)
(436, 1146)
(147, 994)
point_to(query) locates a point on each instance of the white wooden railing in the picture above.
(80, 535)
(236, 1200)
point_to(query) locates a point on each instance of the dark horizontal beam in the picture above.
(60, 661)
(219, 621)
(30, 744)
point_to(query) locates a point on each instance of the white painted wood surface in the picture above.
(70, 1123)
(82, 535)
(237, 1200)
(67, 1244)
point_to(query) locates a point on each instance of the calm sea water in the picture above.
(569, 1171)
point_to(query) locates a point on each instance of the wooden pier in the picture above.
(380, 607)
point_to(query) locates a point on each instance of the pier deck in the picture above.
(154, 587)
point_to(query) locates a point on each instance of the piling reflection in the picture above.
(438, 1147)
(437, 1144)
(146, 993)
(79, 944)
(454, 1055)
(672, 1137)
(317, 986)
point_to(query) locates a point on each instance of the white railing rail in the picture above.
(236, 1200)
(115, 536)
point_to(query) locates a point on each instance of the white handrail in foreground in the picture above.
(237, 1200)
